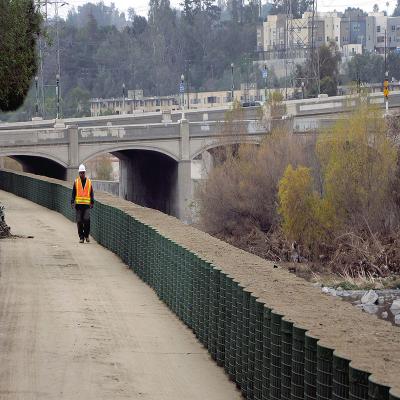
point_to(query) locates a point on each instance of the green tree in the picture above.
(19, 28)
(101, 50)
(299, 7)
(76, 103)
(366, 67)
(328, 60)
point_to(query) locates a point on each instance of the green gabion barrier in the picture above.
(267, 356)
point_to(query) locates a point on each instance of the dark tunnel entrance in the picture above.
(41, 166)
(149, 178)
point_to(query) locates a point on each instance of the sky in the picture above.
(141, 6)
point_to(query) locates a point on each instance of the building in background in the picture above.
(353, 27)
(192, 100)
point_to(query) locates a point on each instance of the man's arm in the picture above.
(73, 194)
(91, 196)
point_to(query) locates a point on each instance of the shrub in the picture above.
(306, 218)
(358, 164)
(241, 192)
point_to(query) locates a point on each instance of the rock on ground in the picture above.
(369, 298)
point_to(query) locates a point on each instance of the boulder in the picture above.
(370, 308)
(395, 307)
(369, 297)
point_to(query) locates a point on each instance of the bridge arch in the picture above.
(166, 150)
(38, 163)
(221, 143)
(148, 176)
(13, 153)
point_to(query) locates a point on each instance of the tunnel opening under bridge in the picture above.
(35, 165)
(148, 178)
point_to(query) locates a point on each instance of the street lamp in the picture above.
(37, 97)
(265, 76)
(233, 85)
(182, 90)
(58, 95)
(302, 89)
(123, 98)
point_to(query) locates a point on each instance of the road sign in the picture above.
(386, 88)
(386, 92)
(182, 87)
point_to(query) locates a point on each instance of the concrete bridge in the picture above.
(155, 157)
(156, 150)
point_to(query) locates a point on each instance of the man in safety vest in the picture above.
(82, 200)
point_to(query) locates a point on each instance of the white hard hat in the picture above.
(82, 168)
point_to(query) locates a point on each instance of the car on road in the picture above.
(251, 103)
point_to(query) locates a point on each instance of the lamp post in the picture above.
(37, 97)
(182, 91)
(302, 90)
(233, 84)
(58, 95)
(386, 80)
(265, 76)
(123, 98)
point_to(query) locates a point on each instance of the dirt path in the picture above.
(75, 323)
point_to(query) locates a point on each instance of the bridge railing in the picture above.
(255, 320)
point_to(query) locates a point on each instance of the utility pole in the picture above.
(134, 89)
(123, 98)
(37, 97)
(233, 85)
(187, 63)
(58, 58)
(246, 92)
(44, 4)
(265, 76)
(58, 95)
(386, 79)
(182, 92)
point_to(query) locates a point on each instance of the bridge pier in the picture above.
(73, 153)
(72, 173)
(184, 191)
(124, 177)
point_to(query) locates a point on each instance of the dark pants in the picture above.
(83, 221)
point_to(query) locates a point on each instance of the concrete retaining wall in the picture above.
(111, 187)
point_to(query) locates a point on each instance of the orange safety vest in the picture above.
(82, 194)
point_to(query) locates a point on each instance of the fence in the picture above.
(267, 355)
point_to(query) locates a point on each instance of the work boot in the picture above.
(87, 239)
(82, 240)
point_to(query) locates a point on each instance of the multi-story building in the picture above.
(393, 32)
(348, 29)
(274, 33)
(332, 22)
(353, 27)
(192, 100)
(132, 105)
(370, 31)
